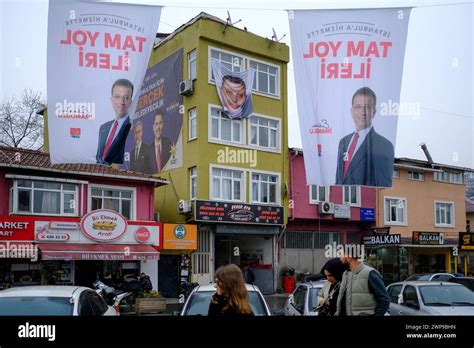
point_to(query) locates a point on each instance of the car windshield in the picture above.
(442, 295)
(35, 306)
(199, 303)
(313, 299)
(420, 277)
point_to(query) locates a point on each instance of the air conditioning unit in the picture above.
(186, 87)
(326, 208)
(184, 207)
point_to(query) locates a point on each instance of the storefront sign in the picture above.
(380, 231)
(342, 211)
(428, 238)
(383, 240)
(466, 241)
(238, 213)
(367, 214)
(103, 225)
(179, 237)
(16, 228)
(142, 234)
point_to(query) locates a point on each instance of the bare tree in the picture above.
(20, 123)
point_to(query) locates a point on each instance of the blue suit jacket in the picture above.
(372, 164)
(117, 148)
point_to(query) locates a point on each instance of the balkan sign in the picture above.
(238, 213)
(97, 57)
(383, 240)
(348, 71)
(428, 238)
(179, 237)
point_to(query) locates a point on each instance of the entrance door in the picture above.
(168, 275)
(87, 272)
(202, 263)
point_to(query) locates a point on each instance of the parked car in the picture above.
(436, 277)
(468, 282)
(304, 300)
(430, 298)
(53, 300)
(200, 298)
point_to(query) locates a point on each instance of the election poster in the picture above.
(97, 58)
(348, 70)
(234, 89)
(155, 142)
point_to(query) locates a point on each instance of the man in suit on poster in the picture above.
(112, 134)
(364, 157)
(161, 146)
(140, 153)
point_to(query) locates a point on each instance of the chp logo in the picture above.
(142, 234)
(322, 127)
(179, 232)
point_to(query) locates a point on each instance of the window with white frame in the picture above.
(266, 78)
(318, 194)
(192, 124)
(351, 195)
(413, 175)
(227, 184)
(115, 199)
(44, 197)
(395, 210)
(451, 177)
(225, 129)
(396, 173)
(264, 132)
(264, 188)
(193, 182)
(232, 62)
(444, 214)
(192, 65)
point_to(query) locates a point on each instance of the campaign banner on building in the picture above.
(348, 69)
(234, 89)
(155, 142)
(97, 58)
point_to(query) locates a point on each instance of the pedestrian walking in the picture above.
(327, 300)
(231, 297)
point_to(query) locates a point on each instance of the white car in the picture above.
(200, 298)
(430, 298)
(54, 300)
(304, 300)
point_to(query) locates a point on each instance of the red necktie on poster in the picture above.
(351, 153)
(158, 158)
(110, 139)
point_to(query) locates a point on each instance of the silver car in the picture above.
(304, 300)
(200, 298)
(430, 298)
(432, 277)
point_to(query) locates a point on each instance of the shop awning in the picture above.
(107, 252)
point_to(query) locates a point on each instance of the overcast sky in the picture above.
(438, 72)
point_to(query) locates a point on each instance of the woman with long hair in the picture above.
(327, 298)
(231, 297)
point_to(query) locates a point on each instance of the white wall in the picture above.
(150, 267)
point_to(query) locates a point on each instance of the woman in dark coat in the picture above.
(332, 271)
(231, 297)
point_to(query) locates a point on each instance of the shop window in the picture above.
(444, 214)
(227, 184)
(114, 199)
(44, 197)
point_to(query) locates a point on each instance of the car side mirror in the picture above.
(412, 304)
(291, 299)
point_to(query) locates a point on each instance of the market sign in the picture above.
(466, 241)
(342, 211)
(16, 228)
(383, 240)
(212, 211)
(179, 237)
(367, 214)
(428, 238)
(103, 225)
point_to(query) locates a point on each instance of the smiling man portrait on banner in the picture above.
(348, 72)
